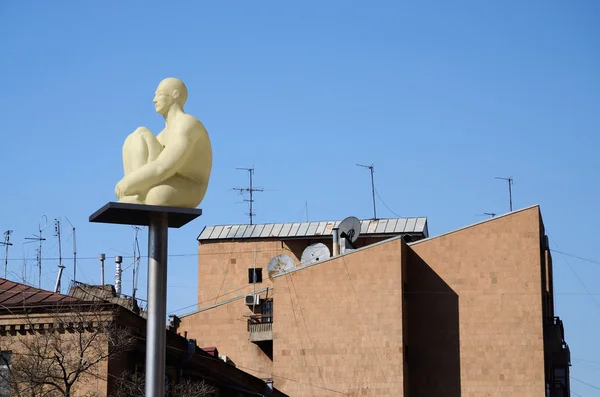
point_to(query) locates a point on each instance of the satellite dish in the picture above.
(280, 264)
(315, 253)
(350, 229)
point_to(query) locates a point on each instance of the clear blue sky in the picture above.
(441, 96)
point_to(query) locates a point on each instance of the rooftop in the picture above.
(18, 295)
(369, 227)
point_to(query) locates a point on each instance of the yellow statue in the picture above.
(173, 168)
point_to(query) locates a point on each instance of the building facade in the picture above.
(87, 345)
(467, 313)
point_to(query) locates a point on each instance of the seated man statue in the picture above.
(173, 168)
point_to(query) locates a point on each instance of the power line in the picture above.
(578, 278)
(585, 383)
(576, 257)
(249, 189)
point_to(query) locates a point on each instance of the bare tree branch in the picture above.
(133, 385)
(61, 348)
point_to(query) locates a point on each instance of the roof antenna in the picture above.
(41, 226)
(372, 168)
(74, 251)
(510, 183)
(491, 214)
(6, 243)
(306, 207)
(136, 259)
(60, 265)
(250, 189)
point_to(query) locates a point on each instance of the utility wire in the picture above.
(576, 257)
(585, 383)
(385, 205)
(576, 275)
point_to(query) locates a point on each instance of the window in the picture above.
(5, 362)
(267, 311)
(255, 275)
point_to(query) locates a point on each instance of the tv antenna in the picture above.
(136, 259)
(6, 244)
(372, 169)
(60, 265)
(43, 222)
(250, 189)
(74, 250)
(490, 214)
(510, 181)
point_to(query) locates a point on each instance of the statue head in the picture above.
(169, 92)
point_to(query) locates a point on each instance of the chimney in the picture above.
(102, 258)
(336, 241)
(118, 261)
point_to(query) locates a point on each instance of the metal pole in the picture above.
(510, 192)
(74, 256)
(373, 191)
(251, 169)
(157, 306)
(372, 168)
(102, 257)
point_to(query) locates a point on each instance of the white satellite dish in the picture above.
(350, 229)
(280, 264)
(315, 253)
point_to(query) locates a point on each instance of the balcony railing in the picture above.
(260, 327)
(554, 333)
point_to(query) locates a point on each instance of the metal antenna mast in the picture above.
(372, 168)
(250, 189)
(60, 265)
(510, 183)
(74, 251)
(41, 226)
(7, 244)
(136, 259)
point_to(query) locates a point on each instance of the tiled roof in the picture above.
(18, 295)
(369, 227)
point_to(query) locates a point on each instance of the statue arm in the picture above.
(166, 165)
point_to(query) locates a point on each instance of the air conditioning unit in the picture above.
(252, 299)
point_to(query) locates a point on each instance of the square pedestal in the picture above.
(140, 214)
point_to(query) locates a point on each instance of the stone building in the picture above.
(467, 313)
(55, 335)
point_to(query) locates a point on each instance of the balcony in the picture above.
(260, 327)
(554, 334)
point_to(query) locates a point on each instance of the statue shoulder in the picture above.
(191, 123)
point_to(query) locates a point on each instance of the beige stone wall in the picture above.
(338, 326)
(475, 311)
(223, 268)
(223, 275)
(18, 337)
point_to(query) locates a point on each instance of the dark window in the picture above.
(255, 275)
(5, 363)
(267, 311)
